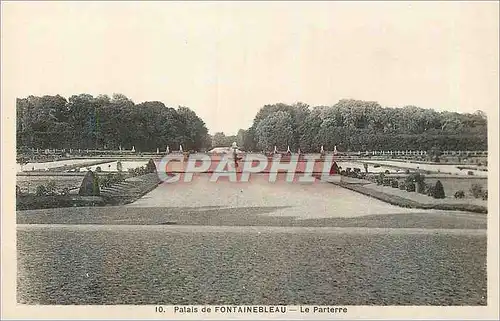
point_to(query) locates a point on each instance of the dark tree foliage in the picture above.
(355, 125)
(102, 122)
(87, 122)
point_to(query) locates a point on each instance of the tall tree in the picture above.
(276, 130)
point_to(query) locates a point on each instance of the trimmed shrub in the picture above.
(387, 171)
(410, 187)
(65, 191)
(41, 190)
(438, 190)
(402, 186)
(119, 166)
(334, 169)
(151, 166)
(476, 190)
(380, 179)
(485, 196)
(459, 194)
(51, 188)
(394, 183)
(386, 182)
(90, 185)
(98, 169)
(419, 179)
(430, 190)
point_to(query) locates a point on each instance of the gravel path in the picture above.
(301, 200)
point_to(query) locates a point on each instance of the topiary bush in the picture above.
(386, 182)
(410, 187)
(41, 190)
(402, 186)
(419, 180)
(476, 190)
(151, 166)
(438, 190)
(430, 190)
(65, 191)
(334, 169)
(90, 185)
(380, 179)
(459, 194)
(394, 183)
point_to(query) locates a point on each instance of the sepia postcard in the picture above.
(249, 160)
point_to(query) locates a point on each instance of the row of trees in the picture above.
(84, 121)
(354, 125)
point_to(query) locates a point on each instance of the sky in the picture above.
(225, 60)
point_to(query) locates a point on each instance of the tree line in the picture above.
(355, 125)
(103, 122)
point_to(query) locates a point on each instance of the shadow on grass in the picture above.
(240, 216)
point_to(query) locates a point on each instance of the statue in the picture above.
(235, 154)
(168, 150)
(180, 148)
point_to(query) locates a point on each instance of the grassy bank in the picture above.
(30, 202)
(404, 202)
(121, 193)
